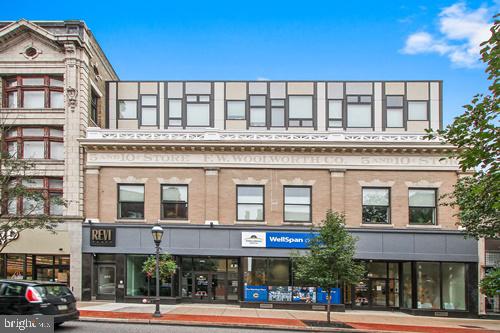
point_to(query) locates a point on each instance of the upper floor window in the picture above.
(34, 92)
(127, 109)
(300, 111)
(45, 200)
(359, 111)
(394, 111)
(130, 201)
(297, 204)
(422, 204)
(257, 110)
(149, 110)
(35, 143)
(277, 112)
(94, 107)
(417, 110)
(198, 110)
(335, 113)
(376, 205)
(250, 203)
(235, 110)
(174, 201)
(174, 112)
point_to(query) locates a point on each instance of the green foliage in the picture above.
(330, 260)
(15, 182)
(490, 284)
(475, 133)
(331, 257)
(167, 266)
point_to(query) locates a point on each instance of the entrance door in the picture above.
(378, 292)
(105, 282)
(209, 287)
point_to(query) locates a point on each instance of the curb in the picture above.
(230, 325)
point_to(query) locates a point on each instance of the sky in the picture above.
(287, 40)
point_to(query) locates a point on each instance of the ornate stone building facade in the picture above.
(238, 173)
(53, 78)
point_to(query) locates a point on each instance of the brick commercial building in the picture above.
(238, 172)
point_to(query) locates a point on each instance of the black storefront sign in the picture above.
(103, 236)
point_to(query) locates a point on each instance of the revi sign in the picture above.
(271, 239)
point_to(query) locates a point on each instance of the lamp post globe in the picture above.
(157, 233)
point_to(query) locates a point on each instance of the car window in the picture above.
(53, 290)
(12, 290)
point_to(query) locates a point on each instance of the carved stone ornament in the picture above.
(72, 94)
(30, 52)
(424, 183)
(250, 181)
(376, 183)
(130, 180)
(174, 180)
(297, 182)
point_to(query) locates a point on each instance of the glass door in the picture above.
(378, 292)
(201, 287)
(105, 282)
(218, 286)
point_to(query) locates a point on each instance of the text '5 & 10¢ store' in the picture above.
(409, 270)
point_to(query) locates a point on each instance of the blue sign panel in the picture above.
(289, 240)
(321, 296)
(256, 293)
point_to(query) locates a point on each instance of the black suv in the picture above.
(38, 298)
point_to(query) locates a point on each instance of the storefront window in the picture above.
(2, 266)
(255, 271)
(15, 267)
(453, 286)
(407, 286)
(137, 281)
(376, 269)
(279, 272)
(428, 282)
(29, 268)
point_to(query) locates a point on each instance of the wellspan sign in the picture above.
(287, 240)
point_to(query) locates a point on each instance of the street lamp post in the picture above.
(157, 232)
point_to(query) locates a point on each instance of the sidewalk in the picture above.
(233, 315)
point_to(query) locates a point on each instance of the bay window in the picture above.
(35, 143)
(34, 92)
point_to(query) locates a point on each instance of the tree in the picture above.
(475, 133)
(16, 183)
(330, 260)
(167, 266)
(490, 284)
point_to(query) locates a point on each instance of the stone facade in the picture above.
(67, 49)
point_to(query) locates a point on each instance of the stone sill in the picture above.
(251, 222)
(174, 221)
(130, 221)
(374, 225)
(298, 223)
(44, 110)
(423, 226)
